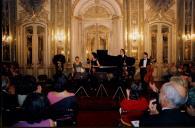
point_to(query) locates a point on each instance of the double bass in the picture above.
(149, 77)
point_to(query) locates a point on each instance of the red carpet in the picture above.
(98, 111)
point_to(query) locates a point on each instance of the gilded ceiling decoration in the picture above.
(32, 6)
(160, 5)
(96, 12)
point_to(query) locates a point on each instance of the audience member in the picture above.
(180, 81)
(59, 91)
(191, 106)
(61, 99)
(9, 97)
(26, 85)
(171, 98)
(35, 107)
(134, 105)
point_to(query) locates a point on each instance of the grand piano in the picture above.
(111, 63)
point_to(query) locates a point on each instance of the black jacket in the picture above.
(168, 117)
(141, 62)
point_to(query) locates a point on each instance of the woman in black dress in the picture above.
(94, 63)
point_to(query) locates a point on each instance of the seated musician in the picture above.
(94, 63)
(77, 66)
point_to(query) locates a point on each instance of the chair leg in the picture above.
(80, 89)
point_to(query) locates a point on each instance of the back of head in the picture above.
(135, 91)
(60, 83)
(35, 106)
(174, 93)
(180, 81)
(25, 84)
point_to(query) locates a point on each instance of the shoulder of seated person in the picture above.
(52, 123)
(72, 94)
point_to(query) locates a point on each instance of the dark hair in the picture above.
(136, 91)
(123, 50)
(191, 97)
(35, 106)
(25, 84)
(60, 83)
(94, 55)
(145, 53)
(76, 57)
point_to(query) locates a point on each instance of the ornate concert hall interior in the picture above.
(43, 38)
(33, 32)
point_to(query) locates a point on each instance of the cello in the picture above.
(149, 77)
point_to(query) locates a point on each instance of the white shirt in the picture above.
(144, 63)
(165, 108)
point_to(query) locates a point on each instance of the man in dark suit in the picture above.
(143, 66)
(172, 96)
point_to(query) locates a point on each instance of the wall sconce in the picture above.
(87, 53)
(134, 36)
(60, 36)
(188, 36)
(6, 38)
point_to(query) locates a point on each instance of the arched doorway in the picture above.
(97, 37)
(96, 24)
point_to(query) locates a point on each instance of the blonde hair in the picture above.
(180, 81)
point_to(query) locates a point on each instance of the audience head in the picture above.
(172, 95)
(25, 84)
(35, 106)
(4, 82)
(14, 69)
(180, 81)
(191, 102)
(60, 84)
(135, 91)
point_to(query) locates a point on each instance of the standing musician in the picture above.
(143, 66)
(123, 71)
(94, 63)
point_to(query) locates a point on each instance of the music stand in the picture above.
(117, 91)
(101, 76)
(80, 77)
